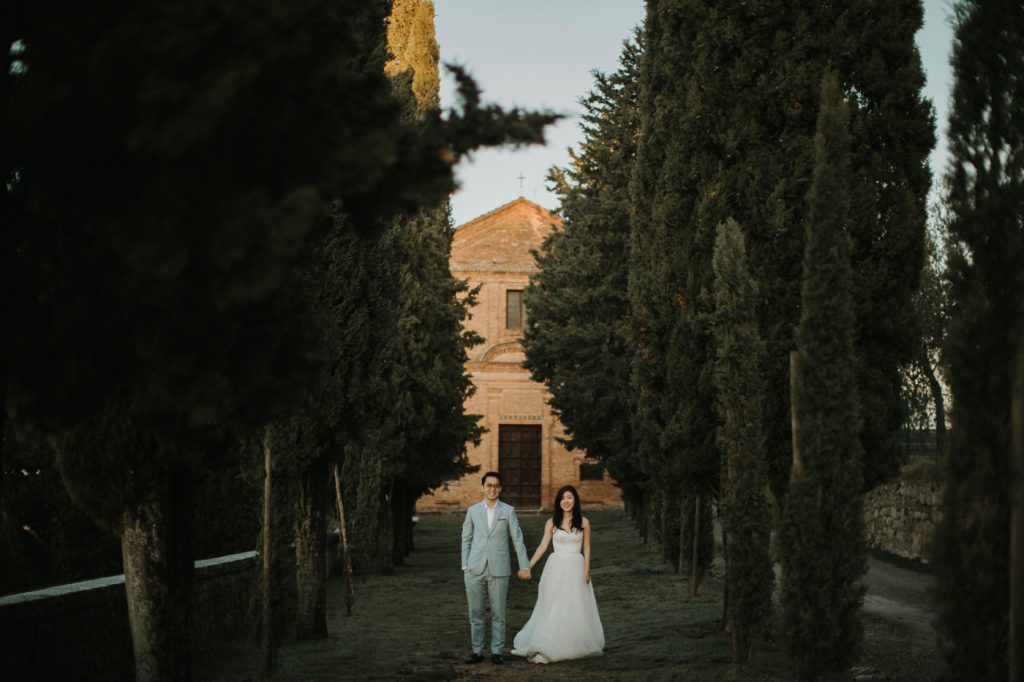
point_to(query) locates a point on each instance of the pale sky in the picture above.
(539, 54)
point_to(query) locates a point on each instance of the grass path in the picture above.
(413, 625)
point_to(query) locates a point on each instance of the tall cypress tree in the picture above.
(429, 346)
(576, 334)
(646, 301)
(669, 287)
(420, 429)
(986, 200)
(745, 511)
(822, 535)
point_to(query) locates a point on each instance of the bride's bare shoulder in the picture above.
(586, 522)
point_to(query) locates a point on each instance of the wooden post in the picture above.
(1017, 524)
(268, 653)
(346, 557)
(794, 368)
(695, 566)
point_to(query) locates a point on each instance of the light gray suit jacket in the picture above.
(486, 549)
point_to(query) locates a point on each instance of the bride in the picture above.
(565, 623)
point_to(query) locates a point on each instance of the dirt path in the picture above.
(412, 625)
(899, 612)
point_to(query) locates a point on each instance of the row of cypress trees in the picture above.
(707, 126)
(225, 229)
(738, 238)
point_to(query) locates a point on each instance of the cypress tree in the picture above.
(576, 333)
(669, 288)
(821, 538)
(428, 345)
(985, 187)
(746, 515)
(645, 300)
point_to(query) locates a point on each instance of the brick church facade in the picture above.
(494, 253)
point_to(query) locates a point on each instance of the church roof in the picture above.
(501, 240)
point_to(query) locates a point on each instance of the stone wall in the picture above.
(80, 631)
(901, 516)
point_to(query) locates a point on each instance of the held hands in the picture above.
(524, 574)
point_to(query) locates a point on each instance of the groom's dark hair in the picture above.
(483, 481)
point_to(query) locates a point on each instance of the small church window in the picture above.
(515, 315)
(590, 471)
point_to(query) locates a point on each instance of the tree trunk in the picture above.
(268, 643)
(403, 507)
(681, 558)
(940, 404)
(385, 545)
(4, 355)
(346, 556)
(640, 520)
(1017, 525)
(794, 368)
(410, 527)
(727, 622)
(156, 550)
(628, 507)
(652, 521)
(695, 565)
(311, 551)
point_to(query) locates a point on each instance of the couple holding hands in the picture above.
(565, 623)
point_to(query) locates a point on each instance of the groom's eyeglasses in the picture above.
(493, 485)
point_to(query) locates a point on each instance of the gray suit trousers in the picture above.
(481, 589)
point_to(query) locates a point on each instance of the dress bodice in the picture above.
(567, 543)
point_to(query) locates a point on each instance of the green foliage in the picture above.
(751, 88)
(822, 535)
(670, 271)
(924, 380)
(576, 335)
(745, 511)
(986, 202)
(414, 49)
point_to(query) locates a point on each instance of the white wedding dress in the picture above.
(565, 623)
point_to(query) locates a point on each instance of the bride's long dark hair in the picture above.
(577, 513)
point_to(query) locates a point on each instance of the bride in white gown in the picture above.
(565, 623)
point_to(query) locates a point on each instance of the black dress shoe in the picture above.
(497, 659)
(475, 658)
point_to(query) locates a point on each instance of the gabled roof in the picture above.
(501, 240)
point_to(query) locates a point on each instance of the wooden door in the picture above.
(519, 464)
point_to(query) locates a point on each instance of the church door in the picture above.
(519, 464)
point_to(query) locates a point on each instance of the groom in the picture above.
(485, 564)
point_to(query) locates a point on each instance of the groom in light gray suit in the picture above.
(485, 564)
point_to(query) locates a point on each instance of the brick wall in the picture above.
(493, 252)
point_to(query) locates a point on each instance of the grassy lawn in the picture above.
(413, 625)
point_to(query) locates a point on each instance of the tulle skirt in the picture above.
(565, 623)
